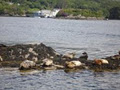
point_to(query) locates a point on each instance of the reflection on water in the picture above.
(97, 38)
(58, 79)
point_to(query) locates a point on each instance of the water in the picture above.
(12, 79)
(98, 38)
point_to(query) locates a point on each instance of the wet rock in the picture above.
(29, 72)
(50, 68)
(59, 66)
(27, 64)
(69, 70)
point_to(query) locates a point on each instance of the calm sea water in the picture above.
(98, 38)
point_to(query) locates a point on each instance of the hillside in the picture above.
(21, 7)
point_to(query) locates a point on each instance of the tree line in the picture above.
(97, 8)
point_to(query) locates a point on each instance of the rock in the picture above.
(50, 68)
(26, 51)
(114, 61)
(73, 64)
(59, 66)
(32, 51)
(27, 64)
(12, 56)
(29, 72)
(47, 62)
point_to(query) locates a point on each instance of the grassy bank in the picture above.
(80, 14)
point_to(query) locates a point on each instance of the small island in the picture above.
(40, 56)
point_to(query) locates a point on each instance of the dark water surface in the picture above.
(98, 38)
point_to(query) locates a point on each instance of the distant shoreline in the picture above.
(68, 18)
(86, 18)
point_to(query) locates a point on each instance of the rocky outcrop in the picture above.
(22, 52)
(47, 58)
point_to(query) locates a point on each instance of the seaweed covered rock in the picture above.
(25, 51)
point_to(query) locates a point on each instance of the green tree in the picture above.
(115, 13)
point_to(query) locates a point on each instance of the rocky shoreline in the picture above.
(71, 17)
(40, 56)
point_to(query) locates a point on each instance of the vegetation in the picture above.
(92, 8)
(80, 12)
(115, 13)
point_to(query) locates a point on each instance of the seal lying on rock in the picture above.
(27, 64)
(69, 55)
(72, 64)
(83, 58)
(84, 55)
(47, 62)
(119, 52)
(49, 65)
(100, 61)
(116, 57)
